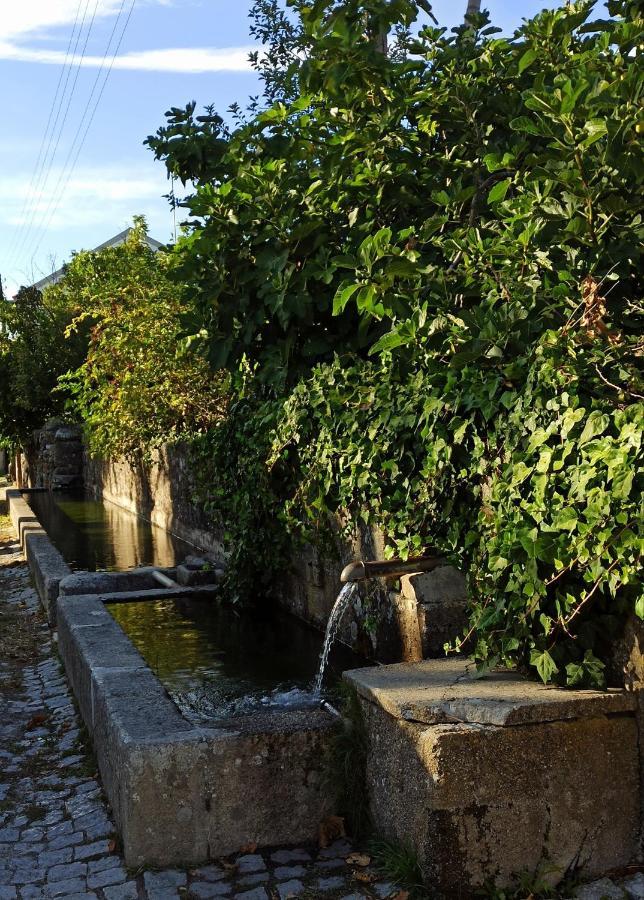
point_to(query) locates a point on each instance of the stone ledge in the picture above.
(47, 566)
(450, 691)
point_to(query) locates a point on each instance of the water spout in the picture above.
(359, 570)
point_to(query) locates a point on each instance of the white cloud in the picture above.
(192, 60)
(98, 203)
(37, 17)
(93, 194)
(34, 19)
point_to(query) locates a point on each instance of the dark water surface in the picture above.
(98, 536)
(216, 662)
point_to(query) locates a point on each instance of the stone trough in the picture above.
(180, 793)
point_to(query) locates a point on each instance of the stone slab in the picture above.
(112, 582)
(450, 691)
(480, 803)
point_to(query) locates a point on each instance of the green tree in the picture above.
(430, 261)
(34, 353)
(139, 386)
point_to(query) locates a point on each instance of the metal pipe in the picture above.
(164, 580)
(359, 570)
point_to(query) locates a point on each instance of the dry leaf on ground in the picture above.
(358, 859)
(330, 830)
(35, 721)
(364, 877)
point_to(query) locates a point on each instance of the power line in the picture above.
(36, 170)
(51, 157)
(57, 194)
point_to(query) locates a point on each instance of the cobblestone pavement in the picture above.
(57, 839)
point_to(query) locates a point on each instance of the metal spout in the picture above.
(390, 568)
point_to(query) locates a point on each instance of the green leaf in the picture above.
(622, 483)
(596, 423)
(388, 341)
(523, 123)
(596, 129)
(342, 297)
(639, 606)
(527, 59)
(400, 266)
(499, 191)
(545, 665)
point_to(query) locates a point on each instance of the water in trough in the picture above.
(217, 662)
(98, 536)
(214, 660)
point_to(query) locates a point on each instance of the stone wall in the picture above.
(54, 460)
(384, 622)
(387, 621)
(160, 491)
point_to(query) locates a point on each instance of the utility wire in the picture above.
(34, 198)
(39, 158)
(57, 194)
(61, 127)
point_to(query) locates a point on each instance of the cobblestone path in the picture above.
(57, 839)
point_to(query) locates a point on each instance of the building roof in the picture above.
(115, 241)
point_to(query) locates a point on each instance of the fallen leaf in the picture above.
(364, 877)
(35, 721)
(358, 859)
(111, 846)
(330, 830)
(401, 895)
(249, 848)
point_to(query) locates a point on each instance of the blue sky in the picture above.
(172, 51)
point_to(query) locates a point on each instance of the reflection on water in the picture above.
(216, 662)
(98, 536)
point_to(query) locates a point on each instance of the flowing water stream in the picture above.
(340, 606)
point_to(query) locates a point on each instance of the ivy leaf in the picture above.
(623, 482)
(596, 424)
(545, 665)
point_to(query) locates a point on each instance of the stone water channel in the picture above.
(57, 837)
